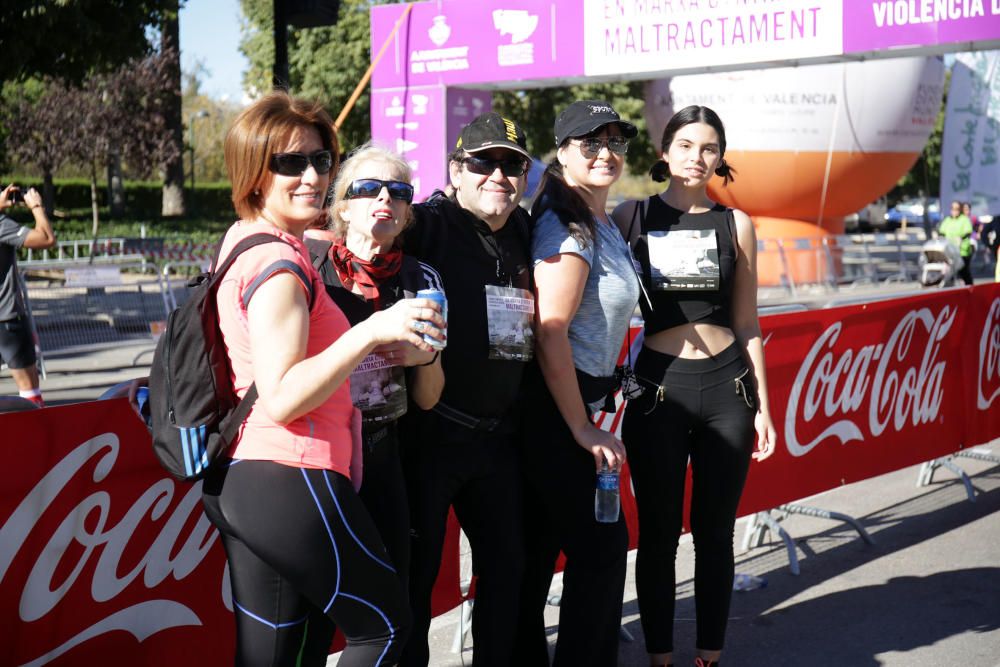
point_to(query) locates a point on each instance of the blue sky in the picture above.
(210, 33)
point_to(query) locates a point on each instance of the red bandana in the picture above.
(366, 274)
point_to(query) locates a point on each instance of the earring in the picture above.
(256, 193)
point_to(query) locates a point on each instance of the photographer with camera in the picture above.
(17, 349)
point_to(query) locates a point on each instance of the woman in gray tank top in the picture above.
(586, 291)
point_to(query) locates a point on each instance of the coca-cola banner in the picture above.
(860, 391)
(981, 370)
(104, 559)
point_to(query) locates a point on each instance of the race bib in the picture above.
(684, 259)
(378, 389)
(509, 315)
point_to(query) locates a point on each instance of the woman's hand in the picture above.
(407, 321)
(602, 445)
(133, 388)
(405, 354)
(767, 436)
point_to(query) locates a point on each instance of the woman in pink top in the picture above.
(298, 539)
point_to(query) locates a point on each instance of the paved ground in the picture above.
(926, 594)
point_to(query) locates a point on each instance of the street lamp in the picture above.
(196, 115)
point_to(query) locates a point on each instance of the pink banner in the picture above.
(455, 42)
(874, 25)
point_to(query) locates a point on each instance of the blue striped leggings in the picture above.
(300, 543)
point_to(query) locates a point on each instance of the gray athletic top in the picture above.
(12, 237)
(598, 329)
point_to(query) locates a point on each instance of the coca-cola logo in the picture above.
(896, 382)
(988, 382)
(85, 541)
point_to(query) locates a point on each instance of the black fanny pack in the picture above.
(596, 389)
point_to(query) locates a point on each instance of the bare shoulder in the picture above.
(744, 227)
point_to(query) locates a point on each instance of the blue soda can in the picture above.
(438, 296)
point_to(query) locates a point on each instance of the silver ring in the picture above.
(418, 326)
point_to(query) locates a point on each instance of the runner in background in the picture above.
(702, 365)
(464, 452)
(586, 290)
(358, 257)
(957, 228)
(17, 346)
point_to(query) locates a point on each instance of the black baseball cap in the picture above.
(585, 116)
(491, 130)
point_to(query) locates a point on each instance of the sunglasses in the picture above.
(369, 188)
(295, 164)
(591, 146)
(485, 166)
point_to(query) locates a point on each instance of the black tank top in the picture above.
(687, 264)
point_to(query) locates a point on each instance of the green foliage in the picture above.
(70, 39)
(324, 63)
(536, 111)
(142, 201)
(207, 131)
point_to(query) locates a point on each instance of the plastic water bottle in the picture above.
(748, 582)
(606, 499)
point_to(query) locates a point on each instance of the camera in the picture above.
(15, 197)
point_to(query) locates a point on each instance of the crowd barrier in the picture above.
(830, 263)
(101, 554)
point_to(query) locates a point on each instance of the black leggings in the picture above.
(383, 492)
(299, 543)
(703, 411)
(559, 503)
(478, 474)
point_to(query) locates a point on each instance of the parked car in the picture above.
(911, 211)
(870, 218)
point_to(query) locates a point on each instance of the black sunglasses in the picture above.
(369, 188)
(295, 164)
(591, 146)
(485, 166)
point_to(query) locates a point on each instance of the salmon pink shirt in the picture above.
(321, 438)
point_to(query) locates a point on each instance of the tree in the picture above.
(324, 63)
(69, 39)
(535, 110)
(122, 113)
(210, 132)
(37, 129)
(173, 165)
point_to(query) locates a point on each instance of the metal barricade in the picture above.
(94, 309)
(176, 286)
(848, 263)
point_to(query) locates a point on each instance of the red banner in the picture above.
(102, 554)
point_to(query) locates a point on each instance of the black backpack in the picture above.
(194, 411)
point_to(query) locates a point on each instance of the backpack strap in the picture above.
(242, 410)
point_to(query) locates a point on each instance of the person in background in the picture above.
(360, 261)
(297, 537)
(702, 364)
(957, 228)
(17, 346)
(586, 291)
(464, 453)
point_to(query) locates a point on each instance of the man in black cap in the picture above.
(463, 453)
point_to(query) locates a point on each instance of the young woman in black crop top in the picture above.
(702, 367)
